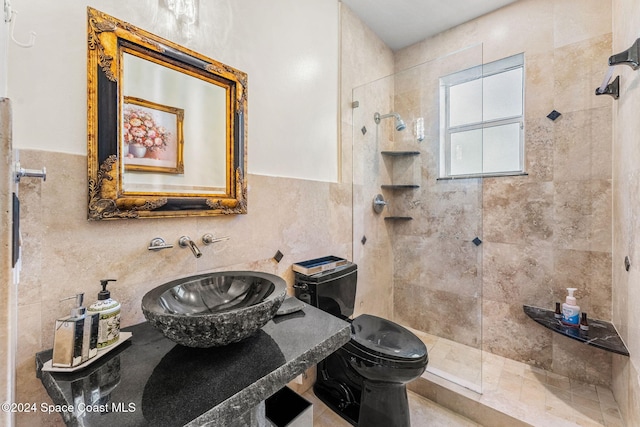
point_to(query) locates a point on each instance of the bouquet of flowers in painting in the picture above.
(151, 136)
(140, 128)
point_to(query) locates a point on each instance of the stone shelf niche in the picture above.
(402, 170)
(601, 334)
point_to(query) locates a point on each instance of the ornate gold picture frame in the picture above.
(197, 103)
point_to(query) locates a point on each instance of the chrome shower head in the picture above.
(400, 125)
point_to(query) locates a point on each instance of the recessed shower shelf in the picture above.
(601, 334)
(398, 218)
(398, 186)
(400, 153)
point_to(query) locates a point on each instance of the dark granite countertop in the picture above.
(601, 334)
(151, 381)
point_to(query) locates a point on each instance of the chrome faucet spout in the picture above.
(186, 242)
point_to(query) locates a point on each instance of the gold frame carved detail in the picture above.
(107, 39)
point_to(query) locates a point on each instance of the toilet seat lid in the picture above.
(385, 338)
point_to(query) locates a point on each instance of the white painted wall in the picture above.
(4, 43)
(289, 48)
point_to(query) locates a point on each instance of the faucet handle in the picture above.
(208, 239)
(158, 243)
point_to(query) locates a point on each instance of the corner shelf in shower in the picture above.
(601, 334)
(400, 153)
(398, 186)
(398, 218)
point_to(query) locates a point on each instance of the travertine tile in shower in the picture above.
(577, 70)
(500, 317)
(577, 20)
(539, 145)
(517, 210)
(583, 215)
(594, 294)
(518, 273)
(535, 396)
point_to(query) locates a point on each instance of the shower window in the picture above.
(482, 120)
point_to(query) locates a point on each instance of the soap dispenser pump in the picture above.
(109, 310)
(571, 310)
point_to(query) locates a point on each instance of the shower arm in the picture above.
(400, 124)
(377, 117)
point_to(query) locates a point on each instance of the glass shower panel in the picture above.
(424, 242)
(372, 249)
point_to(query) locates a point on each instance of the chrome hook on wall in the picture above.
(21, 172)
(10, 17)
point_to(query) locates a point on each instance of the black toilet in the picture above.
(365, 380)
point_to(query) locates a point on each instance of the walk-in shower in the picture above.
(418, 257)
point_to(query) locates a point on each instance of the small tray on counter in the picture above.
(48, 366)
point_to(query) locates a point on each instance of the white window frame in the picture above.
(474, 73)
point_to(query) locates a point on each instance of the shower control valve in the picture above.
(379, 203)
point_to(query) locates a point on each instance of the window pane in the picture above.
(501, 148)
(466, 152)
(465, 103)
(502, 95)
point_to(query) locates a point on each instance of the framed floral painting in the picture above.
(152, 139)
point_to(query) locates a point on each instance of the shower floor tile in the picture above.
(514, 389)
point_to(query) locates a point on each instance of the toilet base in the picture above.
(383, 405)
(338, 387)
(359, 401)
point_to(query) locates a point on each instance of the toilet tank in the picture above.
(333, 291)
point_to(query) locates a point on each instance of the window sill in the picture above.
(475, 176)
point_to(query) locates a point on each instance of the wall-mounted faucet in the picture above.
(186, 242)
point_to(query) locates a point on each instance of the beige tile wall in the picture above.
(542, 232)
(626, 214)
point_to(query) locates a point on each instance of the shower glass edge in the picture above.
(424, 273)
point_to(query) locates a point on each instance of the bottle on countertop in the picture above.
(571, 310)
(109, 311)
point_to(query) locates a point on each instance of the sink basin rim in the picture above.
(150, 299)
(214, 329)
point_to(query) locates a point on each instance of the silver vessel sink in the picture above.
(214, 309)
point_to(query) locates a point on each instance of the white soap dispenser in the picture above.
(109, 309)
(571, 310)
